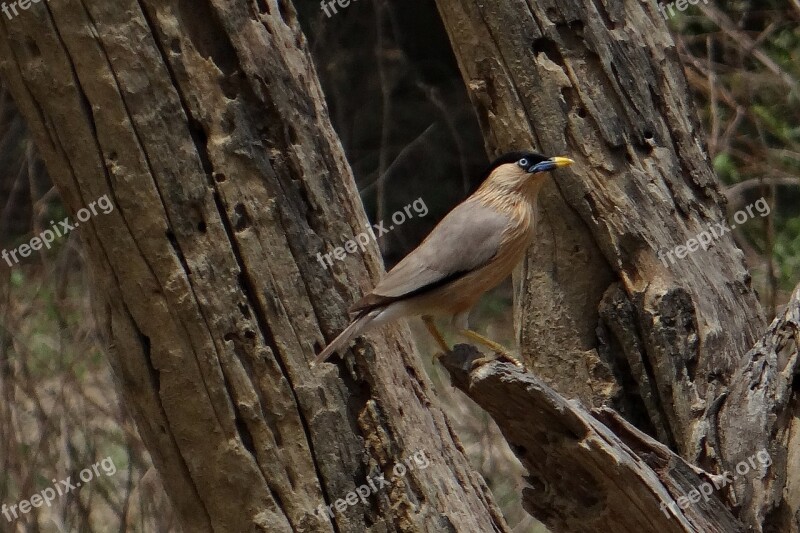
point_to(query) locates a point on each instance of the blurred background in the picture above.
(397, 100)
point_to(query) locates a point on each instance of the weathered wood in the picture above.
(557, 441)
(205, 124)
(604, 85)
(757, 412)
(605, 314)
(617, 478)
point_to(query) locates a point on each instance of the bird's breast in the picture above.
(464, 293)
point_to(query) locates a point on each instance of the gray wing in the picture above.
(465, 240)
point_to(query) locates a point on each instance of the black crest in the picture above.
(512, 157)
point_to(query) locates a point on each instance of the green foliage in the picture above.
(749, 107)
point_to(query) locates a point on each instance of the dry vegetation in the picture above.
(396, 99)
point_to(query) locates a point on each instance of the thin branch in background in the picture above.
(713, 139)
(404, 154)
(772, 278)
(736, 192)
(734, 123)
(432, 93)
(769, 193)
(729, 28)
(738, 82)
(386, 104)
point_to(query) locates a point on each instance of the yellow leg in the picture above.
(497, 348)
(435, 333)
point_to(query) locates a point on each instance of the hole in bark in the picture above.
(548, 47)
(240, 278)
(219, 177)
(155, 375)
(244, 433)
(229, 337)
(648, 134)
(173, 241)
(200, 140)
(292, 133)
(582, 112)
(245, 310)
(242, 219)
(691, 368)
(249, 334)
(207, 34)
(112, 156)
(262, 6)
(201, 227)
(230, 86)
(175, 46)
(577, 27)
(33, 48)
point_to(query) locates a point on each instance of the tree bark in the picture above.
(618, 478)
(595, 472)
(604, 313)
(204, 123)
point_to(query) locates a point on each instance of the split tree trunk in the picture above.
(205, 124)
(604, 313)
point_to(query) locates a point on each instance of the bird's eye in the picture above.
(523, 163)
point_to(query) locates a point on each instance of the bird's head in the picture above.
(521, 170)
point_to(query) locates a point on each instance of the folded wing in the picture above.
(465, 240)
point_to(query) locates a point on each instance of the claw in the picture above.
(479, 362)
(500, 351)
(510, 359)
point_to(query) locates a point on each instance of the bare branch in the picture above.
(587, 470)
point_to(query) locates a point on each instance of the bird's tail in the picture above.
(358, 325)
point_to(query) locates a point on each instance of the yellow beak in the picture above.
(561, 161)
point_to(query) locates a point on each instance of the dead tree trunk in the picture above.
(605, 313)
(204, 123)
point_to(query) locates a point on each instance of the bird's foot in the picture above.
(505, 357)
(501, 353)
(437, 336)
(498, 356)
(479, 362)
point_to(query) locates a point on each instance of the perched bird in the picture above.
(468, 253)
